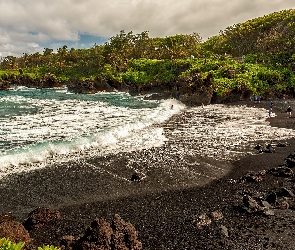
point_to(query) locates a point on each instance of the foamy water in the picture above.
(40, 128)
(39, 124)
(226, 132)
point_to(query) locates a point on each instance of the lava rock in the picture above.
(103, 235)
(39, 217)
(14, 231)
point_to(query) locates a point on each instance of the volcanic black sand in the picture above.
(164, 219)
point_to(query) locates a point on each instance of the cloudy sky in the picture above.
(29, 26)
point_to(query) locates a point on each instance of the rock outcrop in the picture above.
(103, 235)
(13, 230)
(39, 217)
(46, 81)
(4, 85)
(192, 90)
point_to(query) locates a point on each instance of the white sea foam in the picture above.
(223, 132)
(51, 130)
(63, 127)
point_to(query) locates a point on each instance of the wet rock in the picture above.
(46, 81)
(135, 177)
(4, 85)
(25, 80)
(39, 217)
(188, 89)
(89, 86)
(157, 96)
(259, 148)
(269, 149)
(14, 231)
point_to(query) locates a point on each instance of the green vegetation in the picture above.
(257, 56)
(270, 39)
(48, 248)
(6, 244)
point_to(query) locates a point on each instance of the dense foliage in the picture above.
(6, 244)
(258, 55)
(271, 38)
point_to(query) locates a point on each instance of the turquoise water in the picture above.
(38, 123)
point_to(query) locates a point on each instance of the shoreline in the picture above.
(165, 219)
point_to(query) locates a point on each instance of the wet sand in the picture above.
(161, 208)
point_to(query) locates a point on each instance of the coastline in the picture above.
(164, 219)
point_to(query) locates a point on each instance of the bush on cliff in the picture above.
(228, 75)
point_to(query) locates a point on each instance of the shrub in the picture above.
(48, 248)
(6, 244)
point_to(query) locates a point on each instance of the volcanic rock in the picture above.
(39, 217)
(281, 171)
(135, 177)
(269, 149)
(14, 231)
(253, 176)
(271, 197)
(102, 235)
(290, 161)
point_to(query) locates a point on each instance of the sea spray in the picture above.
(54, 122)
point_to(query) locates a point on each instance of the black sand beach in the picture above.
(166, 216)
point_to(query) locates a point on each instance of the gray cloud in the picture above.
(29, 25)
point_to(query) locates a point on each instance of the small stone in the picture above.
(284, 205)
(216, 215)
(266, 204)
(135, 177)
(202, 220)
(271, 197)
(224, 230)
(269, 212)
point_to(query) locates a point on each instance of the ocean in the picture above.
(42, 127)
(36, 124)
